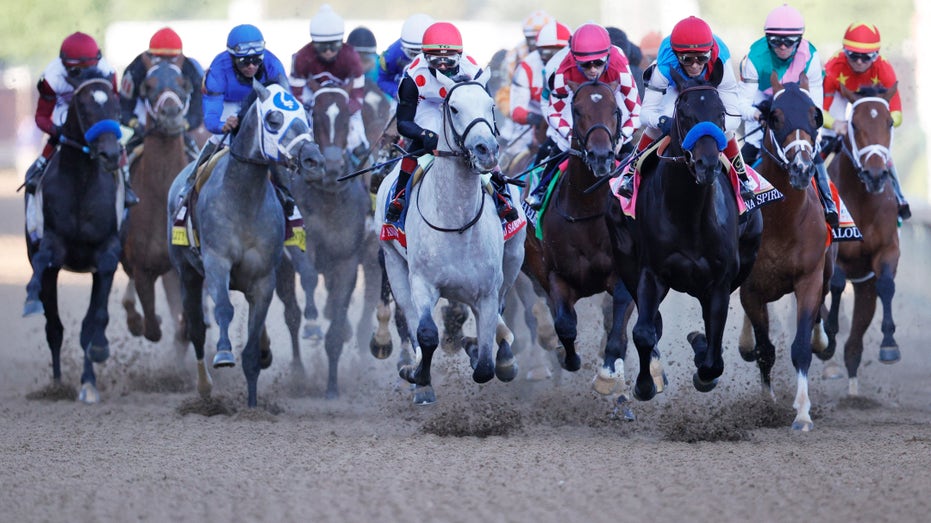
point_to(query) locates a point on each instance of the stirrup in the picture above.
(626, 187)
(831, 217)
(395, 207)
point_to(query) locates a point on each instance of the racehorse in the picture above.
(796, 254)
(455, 245)
(687, 235)
(81, 204)
(862, 177)
(574, 259)
(166, 93)
(240, 226)
(335, 218)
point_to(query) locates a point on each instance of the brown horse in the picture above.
(862, 177)
(166, 94)
(796, 254)
(574, 260)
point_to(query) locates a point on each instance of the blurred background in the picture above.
(31, 33)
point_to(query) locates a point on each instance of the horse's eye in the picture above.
(274, 120)
(454, 110)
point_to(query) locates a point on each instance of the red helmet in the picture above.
(861, 37)
(553, 34)
(590, 42)
(691, 35)
(442, 38)
(165, 42)
(79, 50)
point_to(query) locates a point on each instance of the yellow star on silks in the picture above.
(842, 79)
(875, 79)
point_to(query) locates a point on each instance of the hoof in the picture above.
(449, 344)
(604, 385)
(155, 335)
(424, 395)
(407, 373)
(381, 351)
(89, 394)
(659, 375)
(645, 395)
(832, 371)
(134, 324)
(750, 355)
(803, 426)
(507, 370)
(703, 386)
(312, 331)
(484, 372)
(572, 362)
(470, 346)
(98, 353)
(33, 307)
(224, 358)
(623, 410)
(889, 355)
(265, 359)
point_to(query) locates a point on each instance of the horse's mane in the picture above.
(872, 90)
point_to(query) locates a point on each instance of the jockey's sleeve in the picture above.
(815, 74)
(129, 89)
(356, 93)
(749, 86)
(46, 108)
(408, 96)
(520, 94)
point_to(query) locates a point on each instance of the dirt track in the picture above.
(542, 452)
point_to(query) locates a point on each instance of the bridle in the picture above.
(166, 95)
(99, 128)
(459, 138)
(858, 156)
(583, 138)
(780, 153)
(687, 140)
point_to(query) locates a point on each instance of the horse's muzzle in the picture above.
(484, 154)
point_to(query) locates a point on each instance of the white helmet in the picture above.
(326, 25)
(534, 22)
(412, 33)
(553, 34)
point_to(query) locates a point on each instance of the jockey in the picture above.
(691, 50)
(395, 59)
(591, 56)
(362, 39)
(649, 46)
(79, 54)
(165, 44)
(860, 65)
(420, 95)
(531, 27)
(792, 57)
(527, 85)
(326, 60)
(631, 51)
(228, 84)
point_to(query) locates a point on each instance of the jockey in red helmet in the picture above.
(78, 55)
(440, 66)
(858, 65)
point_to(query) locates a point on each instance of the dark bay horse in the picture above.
(687, 235)
(335, 216)
(82, 219)
(241, 228)
(861, 173)
(166, 93)
(796, 254)
(574, 260)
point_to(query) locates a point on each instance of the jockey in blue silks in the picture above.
(395, 59)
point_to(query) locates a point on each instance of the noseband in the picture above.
(699, 130)
(583, 138)
(858, 156)
(459, 138)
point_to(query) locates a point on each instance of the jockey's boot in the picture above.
(190, 146)
(34, 174)
(626, 187)
(905, 211)
(129, 195)
(732, 153)
(397, 203)
(505, 208)
(824, 192)
(538, 193)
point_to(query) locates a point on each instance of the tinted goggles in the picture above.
(782, 41)
(861, 57)
(592, 64)
(445, 61)
(333, 46)
(243, 61)
(692, 59)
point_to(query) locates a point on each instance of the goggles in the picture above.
(323, 47)
(592, 64)
(243, 61)
(788, 42)
(861, 57)
(692, 58)
(75, 71)
(410, 52)
(444, 61)
(248, 48)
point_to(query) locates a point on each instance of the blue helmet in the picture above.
(245, 40)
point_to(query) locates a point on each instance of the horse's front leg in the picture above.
(647, 330)
(47, 257)
(610, 380)
(134, 321)
(380, 345)
(192, 302)
(284, 288)
(864, 307)
(54, 330)
(831, 323)
(808, 300)
(259, 298)
(94, 327)
(306, 267)
(340, 282)
(761, 349)
(423, 298)
(565, 321)
(145, 288)
(709, 362)
(217, 276)
(885, 287)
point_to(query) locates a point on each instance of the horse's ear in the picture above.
(260, 89)
(717, 73)
(891, 91)
(774, 81)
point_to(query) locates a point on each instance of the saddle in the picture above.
(184, 228)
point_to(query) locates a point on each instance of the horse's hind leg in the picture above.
(145, 288)
(285, 289)
(885, 287)
(171, 284)
(94, 327)
(259, 298)
(307, 269)
(217, 274)
(455, 315)
(831, 323)
(192, 301)
(133, 318)
(371, 273)
(762, 350)
(380, 344)
(610, 380)
(864, 306)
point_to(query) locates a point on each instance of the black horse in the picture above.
(687, 235)
(82, 218)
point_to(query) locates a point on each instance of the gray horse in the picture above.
(241, 228)
(455, 245)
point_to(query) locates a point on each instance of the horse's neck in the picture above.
(685, 200)
(162, 159)
(454, 193)
(577, 178)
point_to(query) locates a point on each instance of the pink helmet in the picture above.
(784, 20)
(553, 34)
(590, 42)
